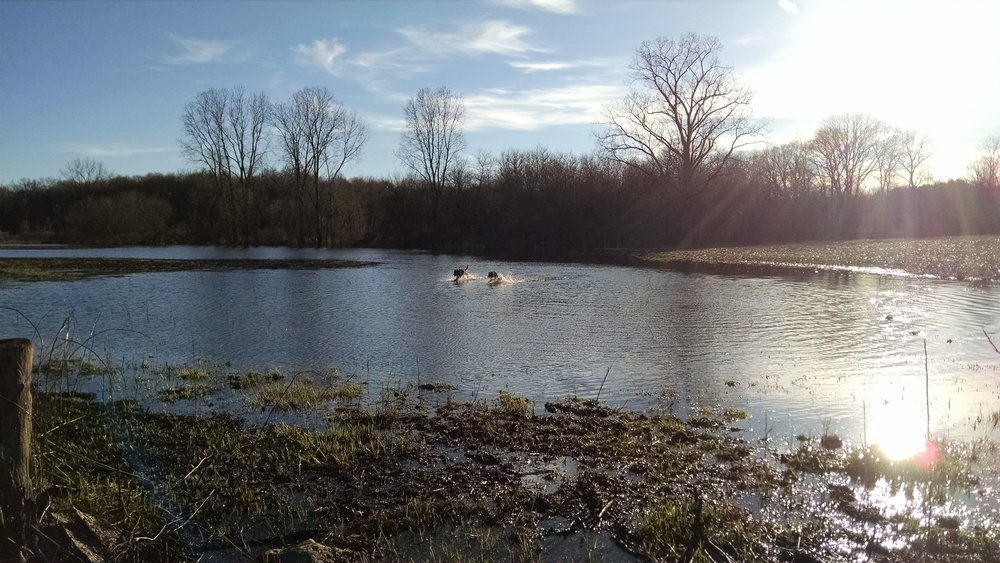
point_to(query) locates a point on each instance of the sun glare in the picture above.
(898, 429)
(892, 60)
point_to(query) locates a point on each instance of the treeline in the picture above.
(523, 202)
(681, 162)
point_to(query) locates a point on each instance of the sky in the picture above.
(109, 80)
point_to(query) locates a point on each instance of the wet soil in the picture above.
(401, 481)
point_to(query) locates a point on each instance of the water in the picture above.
(828, 351)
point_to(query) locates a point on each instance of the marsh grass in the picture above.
(698, 531)
(194, 374)
(302, 393)
(184, 392)
(513, 405)
(68, 366)
(77, 465)
(383, 479)
(252, 380)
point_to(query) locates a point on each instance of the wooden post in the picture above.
(15, 447)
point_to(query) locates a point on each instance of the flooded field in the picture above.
(787, 358)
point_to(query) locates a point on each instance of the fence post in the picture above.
(15, 447)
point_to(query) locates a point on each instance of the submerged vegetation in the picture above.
(62, 269)
(410, 476)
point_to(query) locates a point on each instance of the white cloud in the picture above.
(541, 67)
(788, 6)
(111, 150)
(534, 109)
(555, 6)
(198, 51)
(322, 53)
(497, 37)
(529, 67)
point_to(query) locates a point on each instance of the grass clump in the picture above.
(513, 405)
(61, 367)
(347, 439)
(696, 530)
(252, 380)
(732, 414)
(194, 374)
(302, 393)
(184, 392)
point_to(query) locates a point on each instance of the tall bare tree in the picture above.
(889, 156)
(685, 117)
(916, 153)
(846, 150)
(433, 139)
(318, 138)
(223, 130)
(83, 171)
(985, 171)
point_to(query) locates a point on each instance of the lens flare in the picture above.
(899, 430)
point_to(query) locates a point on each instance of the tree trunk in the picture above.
(15, 447)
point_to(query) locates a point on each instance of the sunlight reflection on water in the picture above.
(809, 349)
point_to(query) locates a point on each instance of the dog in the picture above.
(461, 274)
(493, 276)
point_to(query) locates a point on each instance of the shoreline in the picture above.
(975, 259)
(417, 476)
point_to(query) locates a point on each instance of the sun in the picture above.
(898, 428)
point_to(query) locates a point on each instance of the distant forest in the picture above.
(680, 162)
(534, 202)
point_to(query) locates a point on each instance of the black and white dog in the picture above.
(462, 274)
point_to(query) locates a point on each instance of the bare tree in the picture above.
(223, 130)
(318, 138)
(83, 171)
(985, 171)
(486, 168)
(350, 139)
(433, 138)
(846, 150)
(889, 155)
(686, 116)
(916, 152)
(786, 170)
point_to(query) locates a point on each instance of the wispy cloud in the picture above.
(540, 67)
(530, 67)
(555, 6)
(498, 37)
(322, 53)
(534, 109)
(789, 6)
(111, 150)
(198, 51)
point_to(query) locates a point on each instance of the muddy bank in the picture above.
(67, 269)
(414, 476)
(961, 258)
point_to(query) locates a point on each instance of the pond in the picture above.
(802, 354)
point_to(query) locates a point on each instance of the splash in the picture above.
(502, 279)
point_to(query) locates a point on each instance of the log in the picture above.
(15, 447)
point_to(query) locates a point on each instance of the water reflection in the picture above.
(813, 350)
(897, 427)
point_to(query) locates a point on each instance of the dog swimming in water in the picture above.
(494, 278)
(462, 274)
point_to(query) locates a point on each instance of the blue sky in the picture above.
(108, 80)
